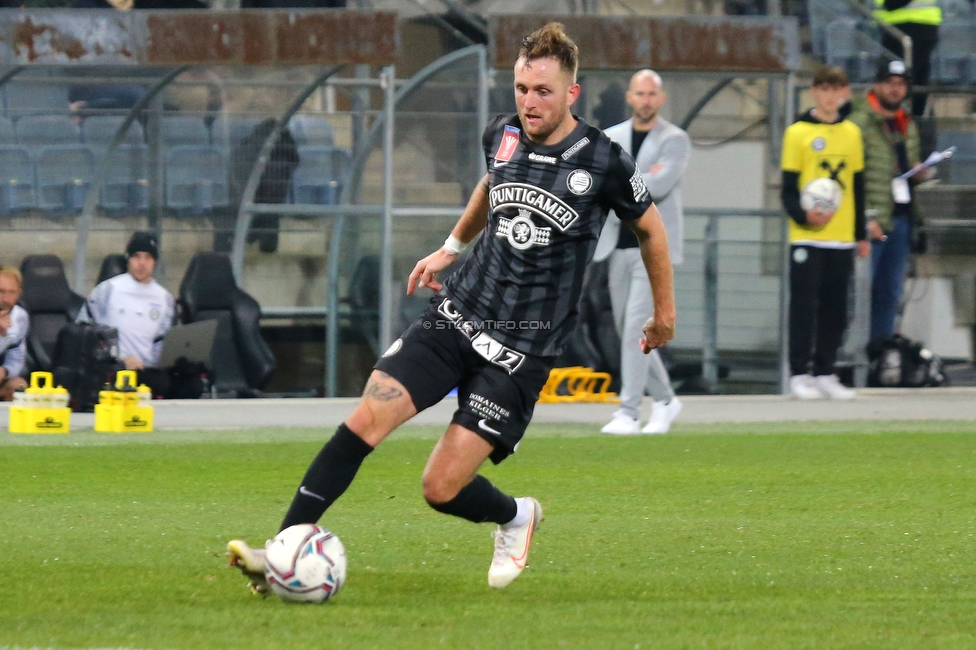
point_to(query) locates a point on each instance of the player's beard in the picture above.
(545, 129)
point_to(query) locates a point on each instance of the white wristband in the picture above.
(453, 245)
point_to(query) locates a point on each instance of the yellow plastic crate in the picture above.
(112, 418)
(39, 420)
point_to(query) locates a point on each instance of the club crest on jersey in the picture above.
(509, 144)
(538, 201)
(521, 232)
(579, 181)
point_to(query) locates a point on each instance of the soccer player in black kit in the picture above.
(496, 325)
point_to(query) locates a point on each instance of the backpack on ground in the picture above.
(899, 361)
(85, 358)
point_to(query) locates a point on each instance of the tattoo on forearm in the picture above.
(381, 391)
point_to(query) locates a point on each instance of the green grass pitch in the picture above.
(839, 535)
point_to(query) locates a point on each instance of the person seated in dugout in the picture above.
(142, 311)
(14, 324)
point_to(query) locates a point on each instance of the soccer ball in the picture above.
(821, 194)
(305, 564)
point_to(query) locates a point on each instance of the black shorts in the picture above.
(497, 385)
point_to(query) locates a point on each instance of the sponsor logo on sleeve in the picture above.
(638, 187)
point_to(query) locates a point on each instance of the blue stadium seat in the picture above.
(954, 61)
(43, 130)
(23, 97)
(64, 173)
(126, 184)
(99, 130)
(956, 10)
(228, 130)
(821, 13)
(17, 184)
(318, 177)
(852, 49)
(183, 130)
(311, 130)
(962, 165)
(7, 132)
(196, 179)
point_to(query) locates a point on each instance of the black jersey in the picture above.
(547, 205)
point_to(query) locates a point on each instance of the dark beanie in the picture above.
(143, 241)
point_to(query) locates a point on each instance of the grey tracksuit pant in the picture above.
(633, 304)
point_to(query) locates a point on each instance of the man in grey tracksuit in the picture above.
(662, 151)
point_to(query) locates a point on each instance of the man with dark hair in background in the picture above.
(497, 324)
(891, 148)
(140, 309)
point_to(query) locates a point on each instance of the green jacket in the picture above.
(881, 161)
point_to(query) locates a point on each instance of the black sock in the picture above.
(327, 477)
(480, 501)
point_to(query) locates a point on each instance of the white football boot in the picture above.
(830, 386)
(251, 562)
(621, 425)
(804, 387)
(662, 415)
(512, 548)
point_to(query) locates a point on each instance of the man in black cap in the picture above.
(891, 148)
(139, 308)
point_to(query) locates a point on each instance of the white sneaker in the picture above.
(830, 386)
(512, 549)
(805, 387)
(251, 562)
(622, 425)
(662, 415)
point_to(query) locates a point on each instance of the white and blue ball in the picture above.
(822, 194)
(305, 564)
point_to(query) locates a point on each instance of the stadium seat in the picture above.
(852, 49)
(17, 184)
(98, 131)
(113, 265)
(319, 175)
(196, 179)
(64, 174)
(241, 361)
(22, 96)
(821, 13)
(954, 61)
(311, 130)
(42, 130)
(126, 184)
(228, 130)
(182, 130)
(50, 302)
(7, 136)
(962, 165)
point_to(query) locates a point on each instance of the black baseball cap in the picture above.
(143, 241)
(895, 68)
